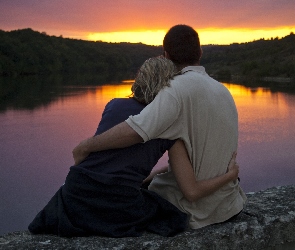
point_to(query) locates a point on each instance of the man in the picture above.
(196, 109)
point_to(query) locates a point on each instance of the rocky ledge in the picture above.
(267, 222)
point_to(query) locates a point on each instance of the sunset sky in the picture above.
(146, 21)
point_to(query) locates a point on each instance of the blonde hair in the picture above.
(153, 75)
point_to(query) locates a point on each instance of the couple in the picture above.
(193, 117)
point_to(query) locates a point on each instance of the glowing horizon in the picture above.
(217, 36)
(207, 36)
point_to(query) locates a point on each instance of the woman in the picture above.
(102, 195)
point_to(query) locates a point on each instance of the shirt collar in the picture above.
(199, 69)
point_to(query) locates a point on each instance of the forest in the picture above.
(28, 52)
(262, 58)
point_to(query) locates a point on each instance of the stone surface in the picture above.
(267, 222)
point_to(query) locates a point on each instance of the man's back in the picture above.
(201, 112)
(210, 121)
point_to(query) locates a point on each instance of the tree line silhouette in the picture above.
(28, 52)
(261, 58)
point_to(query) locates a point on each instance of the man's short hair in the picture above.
(183, 45)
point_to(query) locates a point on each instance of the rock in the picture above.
(267, 222)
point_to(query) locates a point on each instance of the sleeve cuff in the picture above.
(137, 129)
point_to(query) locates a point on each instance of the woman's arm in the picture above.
(185, 177)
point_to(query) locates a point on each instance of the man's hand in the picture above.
(80, 152)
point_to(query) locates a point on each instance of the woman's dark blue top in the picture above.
(128, 166)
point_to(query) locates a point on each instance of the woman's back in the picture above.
(126, 166)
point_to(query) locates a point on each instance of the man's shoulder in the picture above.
(188, 80)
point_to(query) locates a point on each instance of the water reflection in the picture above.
(262, 113)
(32, 92)
(266, 136)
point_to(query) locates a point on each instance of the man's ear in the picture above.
(166, 54)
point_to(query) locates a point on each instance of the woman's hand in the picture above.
(155, 171)
(233, 167)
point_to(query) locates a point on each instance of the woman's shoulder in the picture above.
(124, 101)
(117, 111)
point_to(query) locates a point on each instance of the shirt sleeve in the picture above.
(157, 117)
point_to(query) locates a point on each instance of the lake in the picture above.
(42, 120)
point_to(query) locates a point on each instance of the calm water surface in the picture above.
(39, 131)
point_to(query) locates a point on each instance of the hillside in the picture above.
(27, 52)
(262, 58)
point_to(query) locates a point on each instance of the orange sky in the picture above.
(146, 21)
